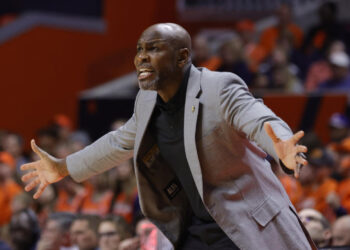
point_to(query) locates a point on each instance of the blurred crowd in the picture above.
(103, 212)
(283, 57)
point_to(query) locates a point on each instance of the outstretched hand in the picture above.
(288, 151)
(43, 172)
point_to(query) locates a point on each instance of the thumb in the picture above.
(41, 153)
(270, 132)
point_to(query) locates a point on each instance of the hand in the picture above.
(43, 172)
(130, 244)
(288, 151)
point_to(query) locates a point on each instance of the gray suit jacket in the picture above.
(224, 138)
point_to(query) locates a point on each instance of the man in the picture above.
(341, 232)
(317, 225)
(340, 79)
(84, 231)
(201, 178)
(56, 235)
(24, 230)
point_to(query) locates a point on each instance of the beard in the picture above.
(150, 84)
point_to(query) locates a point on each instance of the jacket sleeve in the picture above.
(107, 152)
(247, 114)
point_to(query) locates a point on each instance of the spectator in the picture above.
(63, 126)
(148, 237)
(99, 195)
(21, 201)
(340, 78)
(48, 138)
(56, 235)
(13, 144)
(8, 187)
(320, 36)
(84, 231)
(320, 70)
(319, 191)
(112, 230)
(147, 232)
(317, 226)
(253, 51)
(202, 54)
(124, 201)
(344, 185)
(70, 196)
(232, 57)
(24, 230)
(339, 129)
(284, 29)
(281, 73)
(79, 140)
(341, 232)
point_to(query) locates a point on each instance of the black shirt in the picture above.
(167, 127)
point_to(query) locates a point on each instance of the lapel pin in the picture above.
(193, 109)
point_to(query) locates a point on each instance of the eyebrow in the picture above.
(153, 41)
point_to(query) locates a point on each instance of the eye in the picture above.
(153, 48)
(138, 49)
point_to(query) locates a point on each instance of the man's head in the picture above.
(112, 230)
(24, 230)
(317, 226)
(163, 54)
(84, 231)
(13, 144)
(341, 231)
(56, 232)
(340, 63)
(7, 166)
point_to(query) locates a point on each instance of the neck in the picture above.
(170, 88)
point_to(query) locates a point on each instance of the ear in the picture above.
(183, 57)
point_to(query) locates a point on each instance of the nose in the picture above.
(141, 57)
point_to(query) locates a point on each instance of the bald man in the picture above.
(198, 139)
(341, 232)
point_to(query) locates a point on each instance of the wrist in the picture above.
(62, 168)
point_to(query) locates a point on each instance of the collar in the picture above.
(178, 100)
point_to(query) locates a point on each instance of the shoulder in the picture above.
(217, 76)
(221, 80)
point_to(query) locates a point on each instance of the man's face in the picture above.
(155, 60)
(52, 233)
(341, 234)
(21, 231)
(82, 235)
(109, 237)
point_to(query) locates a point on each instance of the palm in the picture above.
(47, 172)
(288, 151)
(43, 172)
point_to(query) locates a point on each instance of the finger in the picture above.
(270, 132)
(301, 160)
(32, 184)
(29, 166)
(37, 150)
(39, 191)
(297, 170)
(297, 136)
(301, 149)
(29, 176)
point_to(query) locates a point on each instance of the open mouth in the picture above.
(145, 73)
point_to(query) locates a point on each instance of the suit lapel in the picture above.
(190, 127)
(147, 105)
